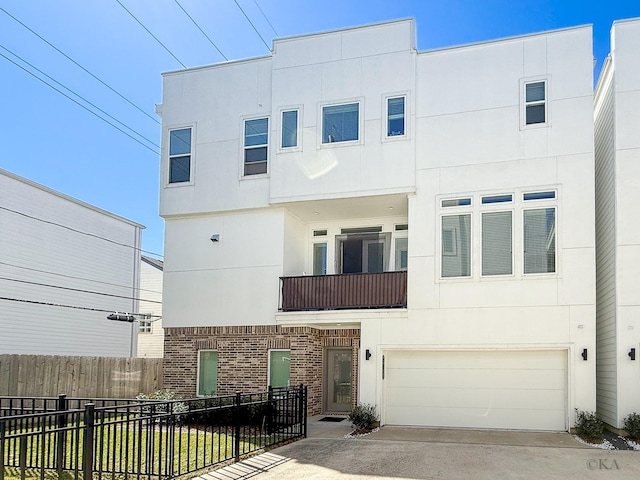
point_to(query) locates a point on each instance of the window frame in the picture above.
(192, 155)
(281, 112)
(244, 148)
(269, 352)
(198, 394)
(385, 117)
(359, 141)
(546, 79)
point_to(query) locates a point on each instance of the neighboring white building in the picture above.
(150, 331)
(617, 153)
(56, 254)
(409, 229)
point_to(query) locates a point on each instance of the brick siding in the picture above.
(243, 357)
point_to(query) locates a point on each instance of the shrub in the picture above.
(363, 416)
(632, 425)
(589, 426)
(168, 396)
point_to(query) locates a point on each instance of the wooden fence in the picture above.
(86, 377)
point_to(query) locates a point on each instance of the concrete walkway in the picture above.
(426, 453)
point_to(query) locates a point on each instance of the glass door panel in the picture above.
(338, 381)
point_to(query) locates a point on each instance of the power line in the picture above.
(63, 305)
(80, 104)
(77, 290)
(81, 67)
(202, 31)
(80, 96)
(249, 20)
(149, 32)
(78, 278)
(77, 231)
(265, 17)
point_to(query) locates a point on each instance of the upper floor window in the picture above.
(340, 123)
(395, 116)
(256, 140)
(290, 129)
(144, 325)
(456, 245)
(535, 103)
(180, 155)
(497, 243)
(540, 240)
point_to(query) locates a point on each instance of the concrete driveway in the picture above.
(415, 453)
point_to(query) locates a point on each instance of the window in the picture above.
(456, 202)
(279, 368)
(144, 325)
(497, 199)
(256, 139)
(497, 243)
(319, 258)
(402, 253)
(535, 103)
(540, 240)
(395, 116)
(180, 155)
(290, 129)
(456, 245)
(539, 196)
(340, 123)
(207, 372)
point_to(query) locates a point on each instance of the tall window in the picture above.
(456, 245)
(497, 244)
(535, 103)
(395, 116)
(402, 253)
(319, 258)
(340, 123)
(207, 372)
(279, 368)
(256, 140)
(290, 129)
(540, 240)
(180, 155)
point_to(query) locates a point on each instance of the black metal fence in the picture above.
(147, 439)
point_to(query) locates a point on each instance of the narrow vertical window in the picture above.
(256, 140)
(402, 253)
(456, 246)
(340, 123)
(497, 258)
(395, 116)
(279, 368)
(540, 240)
(290, 129)
(535, 103)
(180, 155)
(207, 372)
(319, 258)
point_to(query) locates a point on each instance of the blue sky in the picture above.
(51, 140)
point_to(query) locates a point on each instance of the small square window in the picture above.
(180, 155)
(256, 140)
(535, 103)
(395, 116)
(340, 123)
(290, 129)
(144, 326)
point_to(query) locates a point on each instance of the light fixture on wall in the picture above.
(584, 354)
(632, 354)
(215, 237)
(367, 354)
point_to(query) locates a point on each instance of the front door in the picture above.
(338, 380)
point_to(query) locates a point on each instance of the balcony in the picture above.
(347, 291)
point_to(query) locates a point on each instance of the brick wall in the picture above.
(243, 356)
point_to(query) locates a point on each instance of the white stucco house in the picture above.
(64, 265)
(150, 331)
(409, 229)
(617, 154)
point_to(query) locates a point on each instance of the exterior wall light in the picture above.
(584, 354)
(367, 354)
(632, 354)
(215, 237)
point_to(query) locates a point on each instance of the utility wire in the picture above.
(80, 104)
(79, 96)
(63, 305)
(77, 290)
(149, 32)
(77, 231)
(81, 67)
(79, 278)
(202, 31)
(249, 20)
(265, 17)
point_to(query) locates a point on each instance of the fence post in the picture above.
(271, 411)
(87, 445)
(236, 439)
(2, 435)
(22, 457)
(303, 404)
(61, 434)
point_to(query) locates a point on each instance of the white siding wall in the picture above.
(151, 344)
(29, 248)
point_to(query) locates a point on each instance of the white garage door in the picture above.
(523, 390)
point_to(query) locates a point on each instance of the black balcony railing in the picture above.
(348, 291)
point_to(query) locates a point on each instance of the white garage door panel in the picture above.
(491, 389)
